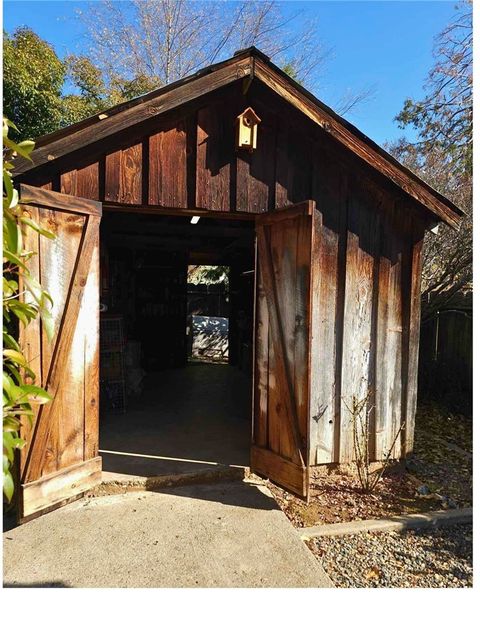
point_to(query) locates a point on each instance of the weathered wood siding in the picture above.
(64, 433)
(367, 240)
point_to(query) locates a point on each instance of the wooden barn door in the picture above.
(60, 459)
(282, 347)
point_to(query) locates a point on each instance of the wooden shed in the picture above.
(322, 231)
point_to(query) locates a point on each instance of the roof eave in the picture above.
(248, 62)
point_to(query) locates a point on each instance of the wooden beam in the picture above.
(113, 207)
(285, 213)
(247, 64)
(156, 103)
(279, 469)
(54, 489)
(58, 201)
(358, 143)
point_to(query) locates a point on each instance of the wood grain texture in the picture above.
(60, 202)
(215, 145)
(55, 375)
(89, 320)
(143, 110)
(88, 182)
(358, 144)
(57, 258)
(359, 264)
(65, 432)
(389, 330)
(255, 172)
(282, 354)
(168, 167)
(159, 102)
(329, 234)
(123, 175)
(260, 360)
(411, 333)
(54, 489)
(30, 336)
(363, 237)
(279, 470)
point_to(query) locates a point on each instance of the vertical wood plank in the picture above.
(53, 380)
(357, 320)
(131, 175)
(168, 166)
(261, 362)
(57, 260)
(282, 173)
(411, 317)
(215, 153)
(68, 182)
(88, 183)
(302, 327)
(123, 175)
(280, 447)
(293, 173)
(89, 322)
(388, 352)
(328, 232)
(112, 176)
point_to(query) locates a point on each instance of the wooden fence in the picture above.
(445, 357)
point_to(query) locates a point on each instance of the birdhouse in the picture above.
(247, 123)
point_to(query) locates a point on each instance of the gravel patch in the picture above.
(433, 558)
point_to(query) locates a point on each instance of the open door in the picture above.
(60, 459)
(280, 443)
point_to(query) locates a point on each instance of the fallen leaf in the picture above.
(373, 573)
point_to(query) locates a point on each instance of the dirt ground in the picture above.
(442, 455)
(441, 462)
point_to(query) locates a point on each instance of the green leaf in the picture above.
(34, 287)
(22, 148)
(16, 356)
(41, 230)
(11, 234)
(48, 323)
(8, 124)
(37, 395)
(8, 486)
(19, 359)
(8, 383)
(11, 257)
(11, 424)
(10, 341)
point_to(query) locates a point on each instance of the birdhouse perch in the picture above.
(247, 123)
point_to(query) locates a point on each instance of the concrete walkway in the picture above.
(218, 535)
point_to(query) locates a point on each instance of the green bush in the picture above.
(23, 300)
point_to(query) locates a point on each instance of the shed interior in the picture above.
(164, 412)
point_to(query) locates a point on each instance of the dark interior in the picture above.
(163, 410)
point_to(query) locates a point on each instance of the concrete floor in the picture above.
(186, 420)
(218, 535)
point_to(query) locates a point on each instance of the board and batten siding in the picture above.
(366, 253)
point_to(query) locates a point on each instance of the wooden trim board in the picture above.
(269, 464)
(54, 489)
(62, 202)
(248, 63)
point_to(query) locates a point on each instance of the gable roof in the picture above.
(248, 64)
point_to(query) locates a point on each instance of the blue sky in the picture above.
(385, 44)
